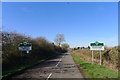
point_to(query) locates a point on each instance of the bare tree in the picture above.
(65, 46)
(59, 39)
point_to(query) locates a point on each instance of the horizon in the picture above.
(64, 18)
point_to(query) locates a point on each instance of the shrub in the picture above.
(41, 49)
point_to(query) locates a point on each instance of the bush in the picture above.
(41, 49)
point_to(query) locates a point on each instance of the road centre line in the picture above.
(59, 61)
(49, 76)
(55, 66)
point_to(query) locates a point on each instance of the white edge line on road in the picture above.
(49, 76)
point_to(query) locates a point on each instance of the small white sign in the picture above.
(25, 48)
(96, 47)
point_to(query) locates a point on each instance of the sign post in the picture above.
(24, 47)
(92, 57)
(96, 46)
(100, 57)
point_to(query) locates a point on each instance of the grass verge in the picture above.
(94, 70)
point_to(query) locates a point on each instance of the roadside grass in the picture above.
(94, 70)
(18, 68)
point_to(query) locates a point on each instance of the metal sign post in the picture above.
(96, 46)
(27, 51)
(92, 57)
(100, 57)
(24, 47)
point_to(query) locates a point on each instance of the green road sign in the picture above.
(96, 44)
(25, 46)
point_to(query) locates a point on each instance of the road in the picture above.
(59, 68)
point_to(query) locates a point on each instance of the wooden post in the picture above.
(92, 57)
(100, 57)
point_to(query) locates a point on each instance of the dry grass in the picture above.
(109, 57)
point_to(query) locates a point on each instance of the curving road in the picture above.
(59, 68)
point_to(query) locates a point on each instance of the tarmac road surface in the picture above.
(59, 68)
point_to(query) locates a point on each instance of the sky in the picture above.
(80, 22)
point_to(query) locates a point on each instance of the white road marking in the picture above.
(49, 76)
(56, 66)
(59, 61)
